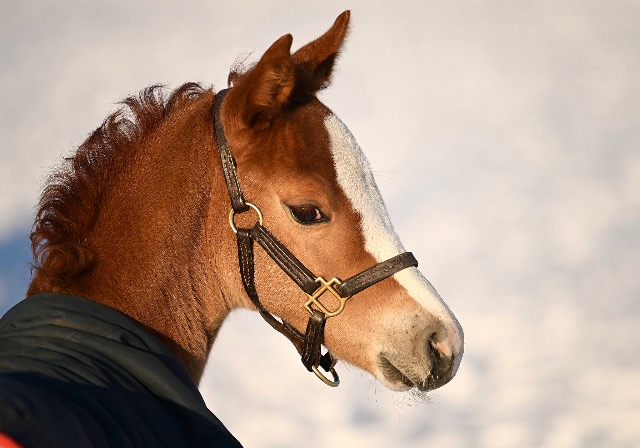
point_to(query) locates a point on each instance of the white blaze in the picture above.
(356, 180)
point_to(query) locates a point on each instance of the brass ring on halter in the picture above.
(232, 215)
(325, 380)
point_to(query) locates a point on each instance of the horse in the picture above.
(145, 240)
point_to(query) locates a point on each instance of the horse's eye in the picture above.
(307, 214)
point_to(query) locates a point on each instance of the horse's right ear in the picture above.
(316, 60)
(259, 95)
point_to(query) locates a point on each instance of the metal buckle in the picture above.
(326, 286)
(232, 215)
(333, 383)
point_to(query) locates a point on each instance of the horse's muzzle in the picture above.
(438, 371)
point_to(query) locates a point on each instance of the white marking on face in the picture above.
(356, 179)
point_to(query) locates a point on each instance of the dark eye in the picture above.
(307, 214)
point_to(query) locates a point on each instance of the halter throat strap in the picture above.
(308, 344)
(238, 203)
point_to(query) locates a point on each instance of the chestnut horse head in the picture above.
(138, 220)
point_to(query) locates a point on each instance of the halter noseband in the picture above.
(309, 343)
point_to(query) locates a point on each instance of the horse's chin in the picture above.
(392, 377)
(398, 375)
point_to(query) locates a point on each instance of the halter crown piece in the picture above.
(309, 343)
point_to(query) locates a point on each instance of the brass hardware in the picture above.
(333, 383)
(232, 215)
(326, 286)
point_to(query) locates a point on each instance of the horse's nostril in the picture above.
(435, 352)
(442, 362)
(440, 343)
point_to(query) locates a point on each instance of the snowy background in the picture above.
(505, 139)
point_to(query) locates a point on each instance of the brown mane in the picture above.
(70, 201)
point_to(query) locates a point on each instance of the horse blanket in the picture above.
(75, 373)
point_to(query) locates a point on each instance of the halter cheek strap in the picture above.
(308, 344)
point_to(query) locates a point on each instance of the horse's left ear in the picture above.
(260, 94)
(315, 61)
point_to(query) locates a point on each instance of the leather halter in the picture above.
(309, 343)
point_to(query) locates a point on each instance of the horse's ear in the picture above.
(260, 94)
(315, 61)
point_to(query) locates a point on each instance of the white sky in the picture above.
(505, 139)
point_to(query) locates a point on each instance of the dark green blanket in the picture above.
(74, 373)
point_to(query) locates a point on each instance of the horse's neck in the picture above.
(155, 235)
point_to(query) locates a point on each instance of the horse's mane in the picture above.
(70, 201)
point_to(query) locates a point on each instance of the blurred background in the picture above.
(505, 139)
